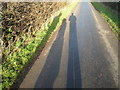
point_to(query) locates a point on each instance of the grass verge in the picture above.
(112, 18)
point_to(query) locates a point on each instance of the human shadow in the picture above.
(50, 70)
(73, 73)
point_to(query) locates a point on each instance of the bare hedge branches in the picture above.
(21, 18)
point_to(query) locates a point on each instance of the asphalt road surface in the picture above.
(83, 53)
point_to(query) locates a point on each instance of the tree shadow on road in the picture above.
(50, 70)
(73, 73)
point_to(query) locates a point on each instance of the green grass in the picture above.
(14, 62)
(112, 18)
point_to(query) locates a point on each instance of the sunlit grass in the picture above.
(112, 18)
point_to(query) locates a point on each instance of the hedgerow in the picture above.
(22, 33)
(25, 26)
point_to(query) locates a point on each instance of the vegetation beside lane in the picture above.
(112, 18)
(19, 54)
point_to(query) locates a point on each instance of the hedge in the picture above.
(25, 27)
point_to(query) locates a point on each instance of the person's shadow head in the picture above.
(72, 18)
(72, 14)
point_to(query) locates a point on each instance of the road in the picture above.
(81, 54)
